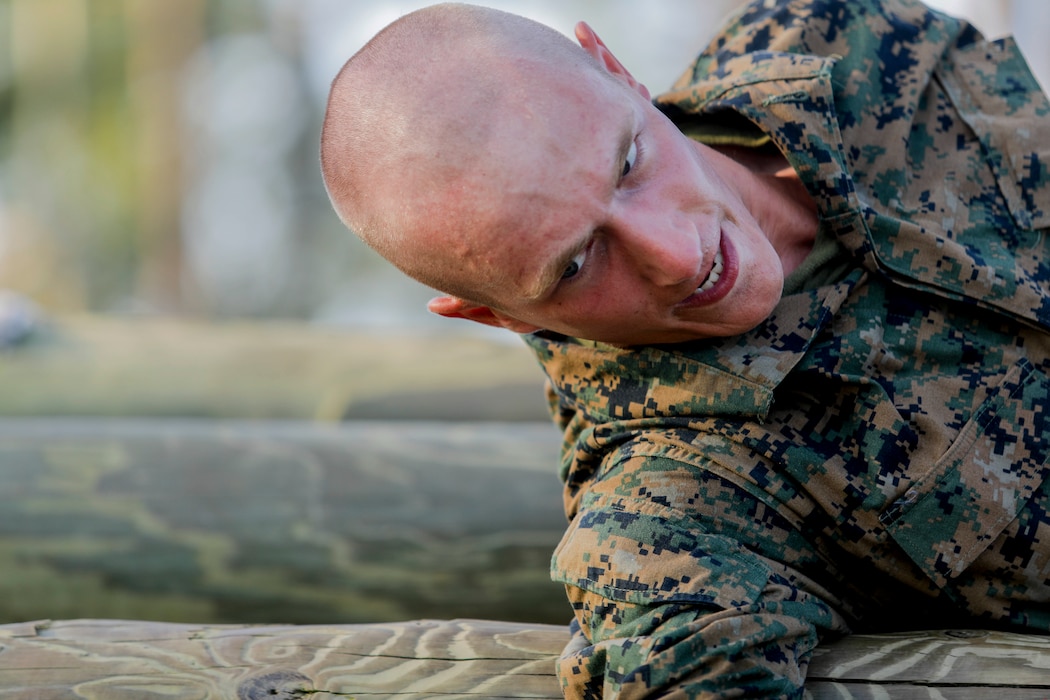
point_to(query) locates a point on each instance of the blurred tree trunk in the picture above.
(95, 149)
(46, 46)
(162, 37)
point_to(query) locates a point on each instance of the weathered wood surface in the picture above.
(113, 660)
(278, 522)
(946, 664)
(99, 366)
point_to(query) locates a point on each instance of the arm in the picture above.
(667, 607)
(681, 650)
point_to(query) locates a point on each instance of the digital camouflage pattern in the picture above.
(874, 455)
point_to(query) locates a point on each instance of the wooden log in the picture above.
(453, 659)
(430, 659)
(224, 521)
(941, 665)
(99, 366)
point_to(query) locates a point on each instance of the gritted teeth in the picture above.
(716, 272)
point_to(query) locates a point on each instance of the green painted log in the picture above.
(278, 522)
(435, 660)
(99, 366)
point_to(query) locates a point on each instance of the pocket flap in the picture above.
(952, 514)
(999, 98)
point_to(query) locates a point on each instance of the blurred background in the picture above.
(160, 158)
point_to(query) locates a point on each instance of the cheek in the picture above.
(768, 288)
(599, 306)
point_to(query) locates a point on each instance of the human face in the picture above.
(618, 228)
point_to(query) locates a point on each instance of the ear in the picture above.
(454, 307)
(592, 44)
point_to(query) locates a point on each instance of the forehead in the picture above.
(492, 213)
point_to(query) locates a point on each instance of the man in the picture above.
(817, 279)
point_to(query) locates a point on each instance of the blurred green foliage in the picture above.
(101, 145)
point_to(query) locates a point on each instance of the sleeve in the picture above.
(664, 607)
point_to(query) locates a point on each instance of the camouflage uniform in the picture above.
(874, 455)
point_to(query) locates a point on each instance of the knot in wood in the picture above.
(275, 684)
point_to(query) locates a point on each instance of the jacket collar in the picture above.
(726, 377)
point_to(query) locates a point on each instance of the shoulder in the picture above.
(821, 27)
(861, 35)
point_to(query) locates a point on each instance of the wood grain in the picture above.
(948, 664)
(432, 659)
(114, 660)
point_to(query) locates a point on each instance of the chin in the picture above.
(748, 323)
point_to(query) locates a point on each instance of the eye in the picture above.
(628, 163)
(574, 267)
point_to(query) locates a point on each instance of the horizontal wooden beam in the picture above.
(454, 659)
(292, 522)
(105, 366)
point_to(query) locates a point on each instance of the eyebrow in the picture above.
(552, 272)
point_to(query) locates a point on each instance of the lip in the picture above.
(725, 283)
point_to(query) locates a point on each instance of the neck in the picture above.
(793, 228)
(776, 197)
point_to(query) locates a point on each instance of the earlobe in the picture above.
(592, 44)
(454, 307)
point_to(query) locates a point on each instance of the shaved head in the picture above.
(419, 127)
(536, 183)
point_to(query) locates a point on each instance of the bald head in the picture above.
(407, 148)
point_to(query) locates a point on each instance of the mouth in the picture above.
(714, 275)
(720, 278)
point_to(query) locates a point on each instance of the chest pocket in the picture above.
(969, 219)
(952, 514)
(995, 93)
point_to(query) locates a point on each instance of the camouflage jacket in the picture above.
(872, 456)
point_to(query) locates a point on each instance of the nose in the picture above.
(664, 247)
